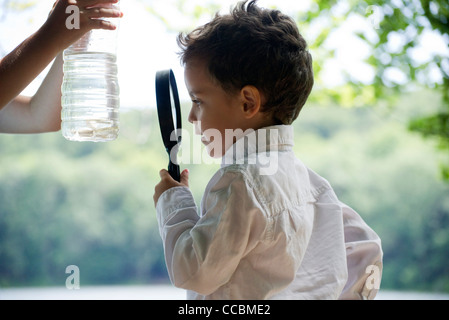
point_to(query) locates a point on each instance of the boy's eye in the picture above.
(197, 102)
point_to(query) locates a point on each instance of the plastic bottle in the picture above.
(90, 89)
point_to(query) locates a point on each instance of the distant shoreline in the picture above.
(155, 292)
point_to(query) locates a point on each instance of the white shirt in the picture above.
(268, 228)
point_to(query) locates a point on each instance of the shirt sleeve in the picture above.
(202, 253)
(364, 258)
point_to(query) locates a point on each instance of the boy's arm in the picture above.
(202, 253)
(24, 64)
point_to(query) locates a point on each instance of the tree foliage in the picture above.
(64, 203)
(90, 205)
(400, 29)
(392, 31)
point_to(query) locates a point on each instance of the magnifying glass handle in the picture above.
(174, 171)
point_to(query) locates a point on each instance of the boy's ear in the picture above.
(251, 101)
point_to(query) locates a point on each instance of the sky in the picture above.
(145, 45)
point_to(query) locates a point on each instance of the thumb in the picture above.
(163, 173)
(185, 177)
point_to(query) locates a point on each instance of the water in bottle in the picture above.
(90, 89)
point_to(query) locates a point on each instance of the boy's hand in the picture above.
(89, 18)
(167, 182)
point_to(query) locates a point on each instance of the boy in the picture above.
(42, 112)
(258, 235)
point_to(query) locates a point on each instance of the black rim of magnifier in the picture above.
(166, 89)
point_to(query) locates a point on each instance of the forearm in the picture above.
(33, 55)
(24, 64)
(46, 103)
(202, 253)
(176, 213)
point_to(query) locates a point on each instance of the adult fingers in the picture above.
(102, 24)
(90, 3)
(103, 13)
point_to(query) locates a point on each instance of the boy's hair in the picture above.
(259, 47)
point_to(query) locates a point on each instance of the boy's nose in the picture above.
(192, 116)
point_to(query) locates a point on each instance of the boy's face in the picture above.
(213, 109)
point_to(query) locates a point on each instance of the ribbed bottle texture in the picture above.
(90, 89)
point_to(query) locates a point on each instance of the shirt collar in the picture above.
(274, 138)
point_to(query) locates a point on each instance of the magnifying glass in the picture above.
(169, 112)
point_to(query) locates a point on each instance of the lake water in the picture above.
(154, 292)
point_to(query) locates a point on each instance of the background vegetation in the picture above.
(381, 141)
(64, 203)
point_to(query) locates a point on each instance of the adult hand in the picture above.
(91, 16)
